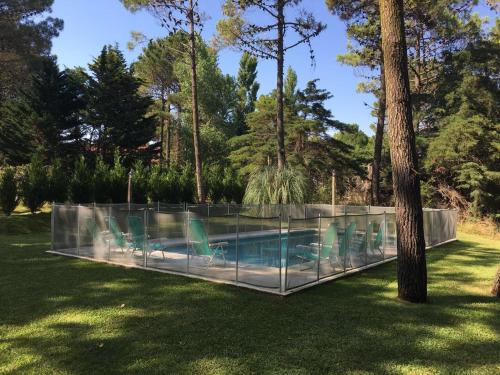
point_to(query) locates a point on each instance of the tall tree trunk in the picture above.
(167, 136)
(162, 127)
(196, 117)
(412, 271)
(176, 149)
(379, 137)
(280, 129)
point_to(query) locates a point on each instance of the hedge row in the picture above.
(36, 184)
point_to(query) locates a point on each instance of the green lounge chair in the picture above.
(349, 242)
(118, 237)
(138, 238)
(326, 248)
(200, 245)
(375, 244)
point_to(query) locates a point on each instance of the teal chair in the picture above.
(118, 238)
(375, 243)
(349, 244)
(200, 245)
(138, 238)
(326, 249)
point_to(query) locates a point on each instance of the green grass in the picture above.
(63, 315)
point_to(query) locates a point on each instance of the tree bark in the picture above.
(194, 98)
(412, 271)
(162, 127)
(176, 149)
(379, 138)
(167, 136)
(280, 130)
(495, 290)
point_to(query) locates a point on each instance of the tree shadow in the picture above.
(82, 317)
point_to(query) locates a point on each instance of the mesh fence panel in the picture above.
(168, 245)
(302, 251)
(357, 210)
(375, 238)
(333, 248)
(224, 244)
(65, 229)
(427, 215)
(260, 251)
(390, 236)
(355, 235)
(211, 247)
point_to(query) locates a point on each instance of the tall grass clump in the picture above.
(271, 185)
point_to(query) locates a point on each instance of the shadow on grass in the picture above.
(67, 315)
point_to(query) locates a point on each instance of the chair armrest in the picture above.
(215, 244)
(311, 247)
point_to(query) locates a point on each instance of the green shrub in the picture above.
(102, 182)
(81, 183)
(234, 187)
(58, 183)
(164, 185)
(139, 183)
(8, 191)
(214, 182)
(34, 185)
(187, 184)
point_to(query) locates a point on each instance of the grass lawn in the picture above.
(62, 315)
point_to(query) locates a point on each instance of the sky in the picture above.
(91, 24)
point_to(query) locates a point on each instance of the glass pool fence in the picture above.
(273, 248)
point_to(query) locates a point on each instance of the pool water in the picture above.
(264, 250)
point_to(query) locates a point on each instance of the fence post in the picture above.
(366, 236)
(237, 244)
(52, 226)
(145, 240)
(78, 230)
(384, 237)
(345, 240)
(284, 287)
(319, 246)
(187, 241)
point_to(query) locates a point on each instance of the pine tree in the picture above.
(117, 112)
(247, 87)
(412, 271)
(26, 34)
(185, 16)
(155, 68)
(255, 38)
(46, 118)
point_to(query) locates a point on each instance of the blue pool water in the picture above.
(264, 250)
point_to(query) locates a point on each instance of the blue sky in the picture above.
(90, 24)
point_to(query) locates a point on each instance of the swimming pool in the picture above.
(261, 250)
